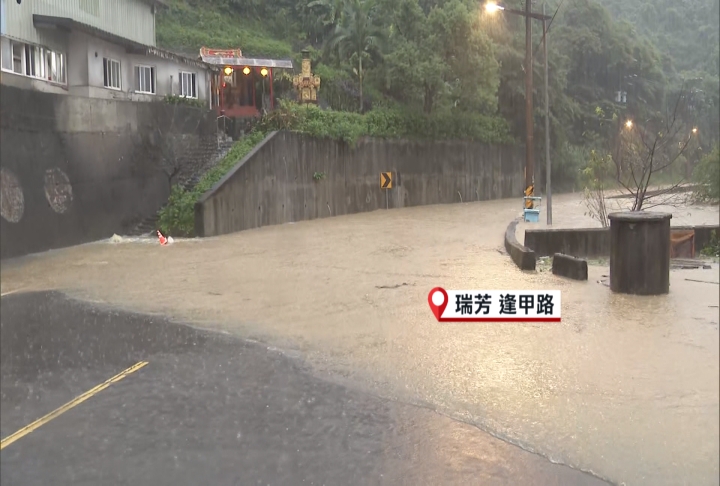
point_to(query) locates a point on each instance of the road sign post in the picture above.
(386, 182)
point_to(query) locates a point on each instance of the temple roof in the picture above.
(234, 57)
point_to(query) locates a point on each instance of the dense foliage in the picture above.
(707, 174)
(447, 68)
(713, 247)
(385, 123)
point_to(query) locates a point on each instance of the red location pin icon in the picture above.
(438, 300)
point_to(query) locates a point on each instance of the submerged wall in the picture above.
(77, 169)
(293, 177)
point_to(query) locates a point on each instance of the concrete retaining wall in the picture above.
(594, 242)
(77, 169)
(275, 183)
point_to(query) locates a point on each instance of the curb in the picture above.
(523, 256)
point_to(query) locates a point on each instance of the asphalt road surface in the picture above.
(200, 408)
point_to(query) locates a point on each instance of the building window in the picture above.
(188, 87)
(18, 51)
(34, 61)
(55, 67)
(111, 70)
(6, 53)
(145, 79)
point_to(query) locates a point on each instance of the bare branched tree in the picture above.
(596, 176)
(645, 149)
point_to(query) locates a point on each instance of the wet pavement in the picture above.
(211, 409)
(626, 387)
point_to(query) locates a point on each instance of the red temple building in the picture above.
(243, 87)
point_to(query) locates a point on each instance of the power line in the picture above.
(548, 27)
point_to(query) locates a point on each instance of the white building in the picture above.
(95, 48)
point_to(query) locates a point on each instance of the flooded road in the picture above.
(196, 407)
(625, 387)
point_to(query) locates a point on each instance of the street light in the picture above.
(492, 7)
(629, 124)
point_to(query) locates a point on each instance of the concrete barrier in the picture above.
(570, 267)
(523, 257)
(581, 242)
(292, 177)
(595, 242)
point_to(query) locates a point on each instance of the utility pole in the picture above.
(548, 165)
(492, 7)
(529, 165)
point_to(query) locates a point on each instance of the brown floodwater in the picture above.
(624, 386)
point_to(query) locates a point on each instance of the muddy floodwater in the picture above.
(625, 387)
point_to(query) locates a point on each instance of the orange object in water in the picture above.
(161, 238)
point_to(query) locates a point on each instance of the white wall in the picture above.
(85, 75)
(85, 71)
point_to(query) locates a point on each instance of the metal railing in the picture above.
(224, 127)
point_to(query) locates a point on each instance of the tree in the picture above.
(707, 175)
(596, 175)
(358, 36)
(440, 56)
(645, 150)
(415, 68)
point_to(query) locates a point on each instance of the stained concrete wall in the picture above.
(75, 170)
(275, 182)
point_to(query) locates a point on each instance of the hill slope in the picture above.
(187, 26)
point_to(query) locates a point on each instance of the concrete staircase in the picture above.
(213, 153)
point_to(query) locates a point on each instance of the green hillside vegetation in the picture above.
(188, 26)
(686, 31)
(448, 69)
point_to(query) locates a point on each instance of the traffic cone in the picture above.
(161, 238)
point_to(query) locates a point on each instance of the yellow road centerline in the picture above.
(76, 401)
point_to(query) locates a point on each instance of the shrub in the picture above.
(713, 248)
(182, 100)
(386, 123)
(178, 216)
(707, 175)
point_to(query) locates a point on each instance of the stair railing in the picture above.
(224, 127)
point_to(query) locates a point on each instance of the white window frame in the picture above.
(56, 72)
(185, 77)
(140, 68)
(35, 62)
(108, 63)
